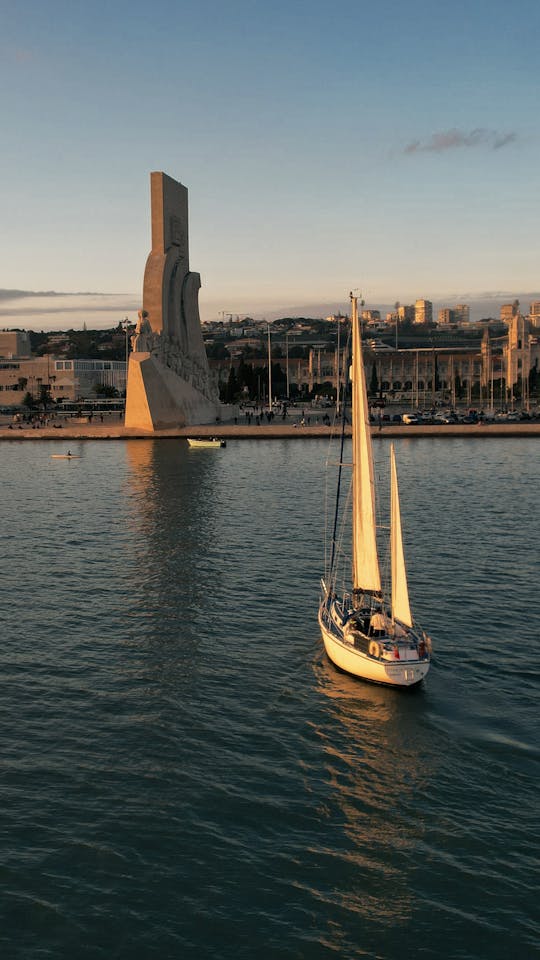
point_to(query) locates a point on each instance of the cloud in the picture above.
(60, 311)
(455, 139)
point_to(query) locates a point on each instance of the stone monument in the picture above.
(169, 383)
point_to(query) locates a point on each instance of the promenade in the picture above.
(115, 430)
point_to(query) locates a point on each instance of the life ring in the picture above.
(374, 649)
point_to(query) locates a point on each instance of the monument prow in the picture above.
(169, 383)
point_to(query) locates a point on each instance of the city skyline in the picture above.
(102, 311)
(391, 149)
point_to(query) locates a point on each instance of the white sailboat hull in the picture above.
(396, 673)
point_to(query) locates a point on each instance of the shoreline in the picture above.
(271, 431)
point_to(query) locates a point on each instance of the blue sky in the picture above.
(392, 147)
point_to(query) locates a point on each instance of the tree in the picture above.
(230, 391)
(83, 345)
(45, 398)
(244, 376)
(533, 378)
(105, 390)
(436, 376)
(298, 352)
(374, 382)
(28, 401)
(217, 351)
(279, 379)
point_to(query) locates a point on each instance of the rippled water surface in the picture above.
(183, 774)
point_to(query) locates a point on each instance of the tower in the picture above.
(169, 382)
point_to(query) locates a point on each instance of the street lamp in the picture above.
(269, 372)
(126, 329)
(287, 359)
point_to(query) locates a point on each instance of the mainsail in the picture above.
(366, 573)
(400, 593)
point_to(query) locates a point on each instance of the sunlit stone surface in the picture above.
(169, 380)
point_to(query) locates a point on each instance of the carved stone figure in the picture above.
(169, 380)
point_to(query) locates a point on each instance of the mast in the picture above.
(337, 369)
(400, 593)
(366, 573)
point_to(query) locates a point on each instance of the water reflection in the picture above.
(378, 774)
(170, 515)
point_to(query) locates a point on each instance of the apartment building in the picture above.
(423, 311)
(459, 314)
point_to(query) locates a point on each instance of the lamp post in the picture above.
(269, 372)
(126, 328)
(287, 360)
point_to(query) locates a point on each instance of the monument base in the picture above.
(158, 399)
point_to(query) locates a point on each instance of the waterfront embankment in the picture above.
(115, 430)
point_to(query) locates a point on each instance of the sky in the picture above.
(391, 148)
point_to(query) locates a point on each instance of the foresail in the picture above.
(366, 574)
(400, 594)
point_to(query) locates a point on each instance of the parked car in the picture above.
(410, 418)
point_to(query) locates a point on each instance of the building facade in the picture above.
(423, 311)
(534, 314)
(14, 343)
(64, 379)
(486, 372)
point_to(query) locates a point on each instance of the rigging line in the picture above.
(336, 511)
(329, 462)
(340, 469)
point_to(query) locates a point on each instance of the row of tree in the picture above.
(249, 382)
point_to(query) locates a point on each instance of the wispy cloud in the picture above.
(455, 139)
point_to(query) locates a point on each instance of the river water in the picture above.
(183, 774)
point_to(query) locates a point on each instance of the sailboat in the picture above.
(366, 624)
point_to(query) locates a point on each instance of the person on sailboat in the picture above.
(380, 624)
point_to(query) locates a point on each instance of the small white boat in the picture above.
(65, 456)
(366, 625)
(206, 442)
